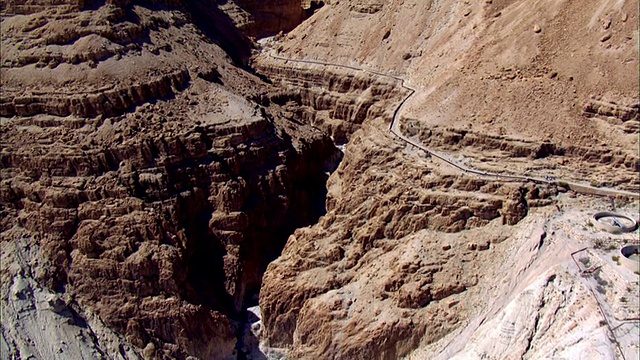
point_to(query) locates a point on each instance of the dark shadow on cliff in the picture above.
(313, 7)
(218, 27)
(316, 158)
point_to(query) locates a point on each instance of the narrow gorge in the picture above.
(135, 195)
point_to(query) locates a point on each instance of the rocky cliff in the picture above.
(503, 68)
(412, 250)
(266, 18)
(151, 191)
(167, 228)
(153, 186)
(370, 280)
(335, 100)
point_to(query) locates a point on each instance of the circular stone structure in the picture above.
(614, 223)
(631, 257)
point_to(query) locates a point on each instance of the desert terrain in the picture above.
(364, 179)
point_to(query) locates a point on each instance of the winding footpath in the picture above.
(580, 187)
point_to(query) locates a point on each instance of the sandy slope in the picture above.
(541, 307)
(521, 68)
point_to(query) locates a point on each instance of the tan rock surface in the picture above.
(410, 249)
(540, 306)
(489, 71)
(386, 262)
(147, 180)
(151, 188)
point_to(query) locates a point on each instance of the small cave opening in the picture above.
(314, 5)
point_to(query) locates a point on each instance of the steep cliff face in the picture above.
(333, 99)
(412, 251)
(147, 183)
(170, 229)
(258, 18)
(25, 7)
(151, 191)
(401, 244)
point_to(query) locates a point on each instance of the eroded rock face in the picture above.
(148, 181)
(374, 278)
(411, 248)
(623, 115)
(456, 139)
(23, 7)
(370, 280)
(259, 18)
(153, 191)
(334, 99)
(177, 239)
(93, 62)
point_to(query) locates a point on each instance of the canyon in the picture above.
(218, 180)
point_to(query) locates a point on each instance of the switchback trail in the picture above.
(581, 187)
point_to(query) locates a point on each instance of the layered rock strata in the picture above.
(25, 7)
(370, 280)
(72, 63)
(150, 192)
(408, 246)
(623, 115)
(334, 99)
(168, 223)
(457, 139)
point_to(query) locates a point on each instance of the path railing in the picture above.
(575, 186)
